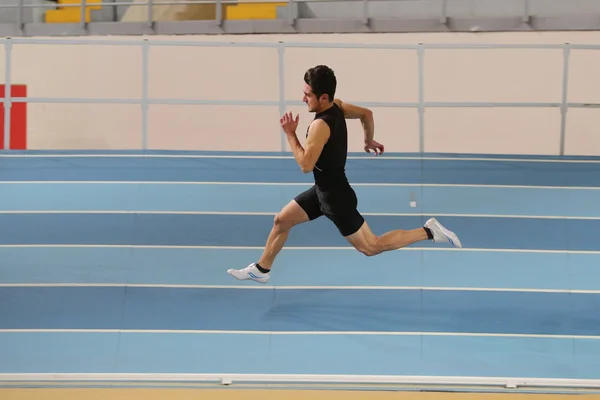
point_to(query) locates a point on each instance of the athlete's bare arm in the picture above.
(318, 134)
(365, 115)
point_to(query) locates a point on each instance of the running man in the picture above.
(324, 154)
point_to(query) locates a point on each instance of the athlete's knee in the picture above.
(370, 247)
(365, 241)
(281, 223)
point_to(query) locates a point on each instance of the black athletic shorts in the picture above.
(339, 205)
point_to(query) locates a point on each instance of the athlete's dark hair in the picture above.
(322, 81)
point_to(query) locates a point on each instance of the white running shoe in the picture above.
(250, 272)
(441, 234)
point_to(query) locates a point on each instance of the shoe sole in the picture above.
(246, 279)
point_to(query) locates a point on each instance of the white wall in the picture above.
(363, 75)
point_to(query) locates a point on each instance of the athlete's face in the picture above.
(314, 105)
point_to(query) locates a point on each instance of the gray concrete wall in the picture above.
(10, 15)
(354, 9)
(321, 16)
(434, 8)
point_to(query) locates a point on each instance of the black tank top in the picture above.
(330, 169)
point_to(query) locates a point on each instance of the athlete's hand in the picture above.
(288, 123)
(376, 147)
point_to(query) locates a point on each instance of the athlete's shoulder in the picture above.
(319, 126)
(352, 111)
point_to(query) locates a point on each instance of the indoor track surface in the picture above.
(117, 264)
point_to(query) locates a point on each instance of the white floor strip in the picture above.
(302, 248)
(227, 378)
(304, 333)
(312, 287)
(272, 213)
(290, 157)
(301, 184)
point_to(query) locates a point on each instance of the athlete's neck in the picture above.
(325, 108)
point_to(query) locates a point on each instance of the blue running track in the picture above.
(117, 264)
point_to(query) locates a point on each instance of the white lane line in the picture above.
(290, 157)
(311, 287)
(301, 248)
(302, 333)
(301, 184)
(272, 213)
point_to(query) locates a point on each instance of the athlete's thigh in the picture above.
(348, 222)
(341, 208)
(362, 239)
(291, 214)
(306, 205)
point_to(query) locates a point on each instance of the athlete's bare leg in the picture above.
(289, 216)
(365, 241)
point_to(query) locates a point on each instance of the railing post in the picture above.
(290, 14)
(219, 12)
(150, 14)
(444, 16)
(7, 92)
(20, 15)
(145, 105)
(420, 55)
(564, 104)
(281, 62)
(83, 22)
(526, 13)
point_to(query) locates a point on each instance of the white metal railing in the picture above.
(144, 100)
